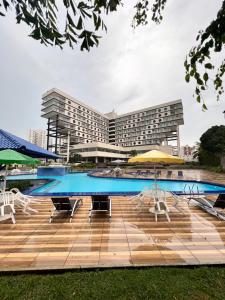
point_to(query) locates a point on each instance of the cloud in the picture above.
(130, 70)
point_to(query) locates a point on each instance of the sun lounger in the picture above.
(139, 199)
(210, 206)
(100, 203)
(169, 174)
(180, 174)
(158, 173)
(65, 204)
(177, 200)
(24, 201)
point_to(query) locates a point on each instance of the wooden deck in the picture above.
(130, 239)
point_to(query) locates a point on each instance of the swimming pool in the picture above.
(83, 184)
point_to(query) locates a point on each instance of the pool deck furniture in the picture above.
(160, 206)
(214, 208)
(178, 201)
(100, 203)
(7, 210)
(24, 201)
(129, 240)
(65, 204)
(180, 174)
(169, 174)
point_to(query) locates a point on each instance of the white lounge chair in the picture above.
(139, 199)
(178, 200)
(212, 207)
(24, 201)
(7, 203)
(15, 172)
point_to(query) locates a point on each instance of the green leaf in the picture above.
(70, 20)
(208, 66)
(187, 77)
(204, 107)
(199, 81)
(205, 77)
(79, 24)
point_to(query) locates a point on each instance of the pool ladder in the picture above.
(193, 191)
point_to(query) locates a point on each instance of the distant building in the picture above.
(38, 137)
(102, 152)
(187, 152)
(72, 123)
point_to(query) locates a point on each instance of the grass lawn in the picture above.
(152, 283)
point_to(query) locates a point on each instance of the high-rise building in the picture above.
(72, 122)
(38, 137)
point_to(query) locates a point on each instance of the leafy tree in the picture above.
(213, 140)
(75, 157)
(133, 153)
(84, 22)
(212, 146)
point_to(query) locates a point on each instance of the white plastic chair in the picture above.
(7, 201)
(160, 205)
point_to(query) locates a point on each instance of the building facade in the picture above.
(72, 122)
(38, 137)
(187, 153)
(100, 152)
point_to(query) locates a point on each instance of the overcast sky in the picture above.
(129, 70)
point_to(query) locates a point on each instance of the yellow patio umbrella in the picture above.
(156, 157)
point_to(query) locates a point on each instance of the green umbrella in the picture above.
(8, 157)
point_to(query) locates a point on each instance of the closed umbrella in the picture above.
(8, 157)
(118, 161)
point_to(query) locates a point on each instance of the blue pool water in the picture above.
(81, 183)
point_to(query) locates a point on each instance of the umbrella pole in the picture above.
(155, 177)
(5, 178)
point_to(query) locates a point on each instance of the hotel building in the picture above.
(75, 126)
